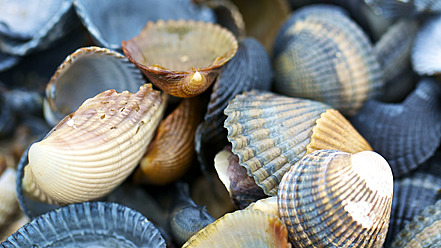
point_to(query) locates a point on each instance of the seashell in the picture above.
(8, 198)
(242, 228)
(321, 54)
(423, 231)
(399, 8)
(88, 224)
(406, 134)
(249, 69)
(172, 151)
(267, 205)
(181, 57)
(14, 226)
(7, 61)
(103, 140)
(116, 21)
(270, 133)
(337, 199)
(85, 73)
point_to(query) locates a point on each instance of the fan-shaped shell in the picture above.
(270, 133)
(91, 151)
(88, 224)
(85, 73)
(182, 58)
(337, 199)
(242, 228)
(8, 197)
(321, 54)
(399, 8)
(406, 134)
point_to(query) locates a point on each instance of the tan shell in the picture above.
(172, 151)
(243, 228)
(267, 205)
(337, 199)
(181, 57)
(91, 151)
(8, 197)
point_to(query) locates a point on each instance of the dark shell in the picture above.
(406, 134)
(88, 224)
(400, 8)
(7, 61)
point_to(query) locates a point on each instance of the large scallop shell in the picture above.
(400, 8)
(91, 151)
(337, 199)
(182, 58)
(270, 133)
(85, 73)
(8, 197)
(408, 133)
(321, 54)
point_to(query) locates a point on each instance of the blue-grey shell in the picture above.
(7, 61)
(400, 8)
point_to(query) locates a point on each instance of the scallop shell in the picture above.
(182, 58)
(103, 140)
(172, 151)
(270, 133)
(400, 8)
(242, 228)
(8, 197)
(115, 21)
(88, 224)
(406, 134)
(85, 73)
(337, 199)
(321, 54)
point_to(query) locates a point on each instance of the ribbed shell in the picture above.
(321, 54)
(406, 134)
(88, 224)
(91, 151)
(337, 199)
(8, 197)
(85, 73)
(242, 228)
(172, 151)
(182, 58)
(400, 8)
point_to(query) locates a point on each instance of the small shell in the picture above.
(172, 151)
(270, 133)
(8, 197)
(337, 199)
(406, 134)
(267, 205)
(400, 8)
(321, 54)
(85, 73)
(182, 58)
(103, 140)
(242, 228)
(88, 224)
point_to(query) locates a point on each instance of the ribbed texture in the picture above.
(427, 50)
(8, 197)
(406, 9)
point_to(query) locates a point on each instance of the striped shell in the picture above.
(270, 133)
(182, 58)
(337, 199)
(242, 228)
(408, 133)
(91, 151)
(400, 8)
(321, 54)
(8, 197)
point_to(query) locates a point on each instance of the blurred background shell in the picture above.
(88, 224)
(337, 199)
(321, 54)
(111, 22)
(7, 61)
(8, 197)
(400, 8)
(407, 133)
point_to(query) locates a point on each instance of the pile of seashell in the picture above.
(220, 123)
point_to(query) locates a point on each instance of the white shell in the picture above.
(8, 197)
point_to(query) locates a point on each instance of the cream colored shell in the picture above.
(8, 197)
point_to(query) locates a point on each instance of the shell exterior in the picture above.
(88, 224)
(270, 133)
(172, 151)
(399, 8)
(337, 199)
(85, 73)
(91, 151)
(321, 54)
(242, 228)
(406, 134)
(182, 58)
(8, 197)
(115, 21)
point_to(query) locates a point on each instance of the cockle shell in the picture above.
(408, 133)
(91, 151)
(270, 133)
(321, 54)
(337, 199)
(85, 73)
(242, 228)
(8, 197)
(400, 8)
(182, 58)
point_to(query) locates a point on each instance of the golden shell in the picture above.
(181, 57)
(91, 151)
(8, 197)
